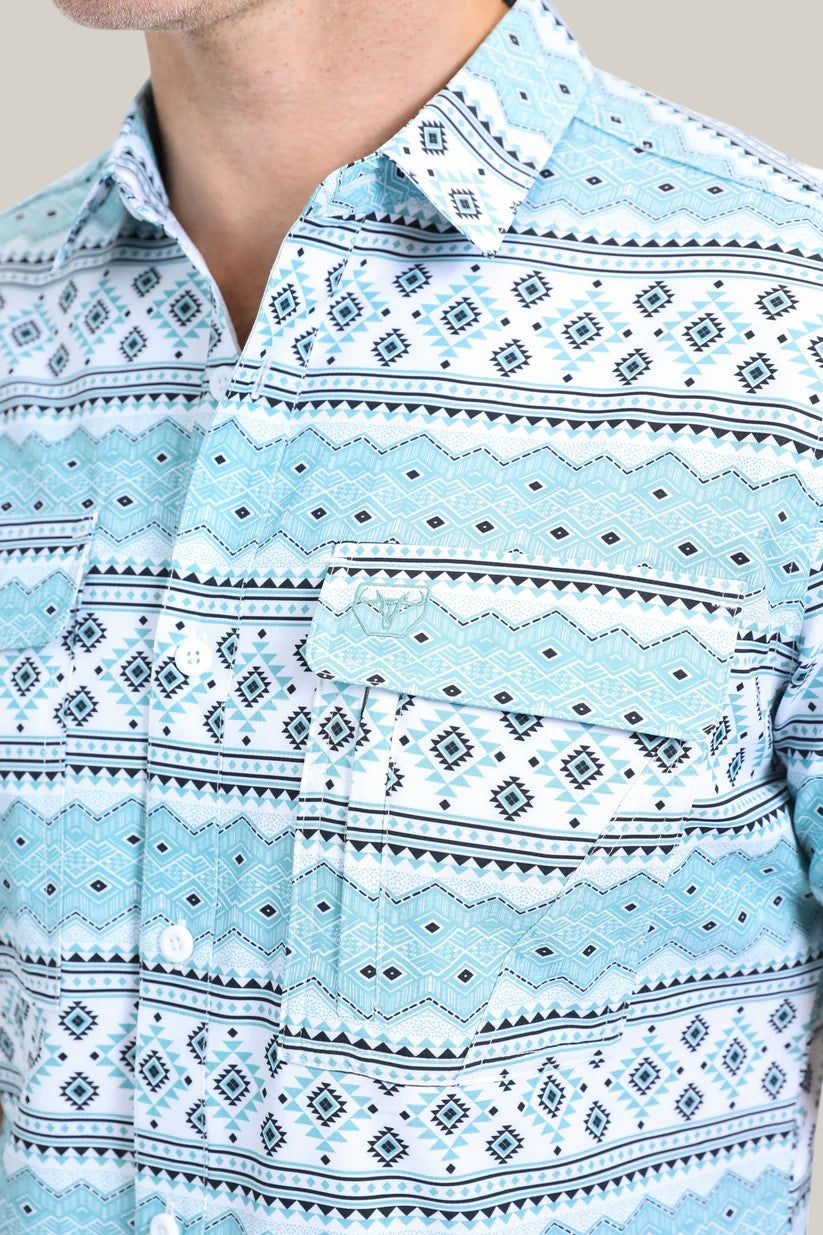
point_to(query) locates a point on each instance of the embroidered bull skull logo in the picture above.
(388, 609)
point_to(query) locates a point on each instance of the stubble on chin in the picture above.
(150, 14)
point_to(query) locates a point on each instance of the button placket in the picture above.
(252, 633)
(226, 510)
(178, 887)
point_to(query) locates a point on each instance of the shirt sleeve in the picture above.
(798, 729)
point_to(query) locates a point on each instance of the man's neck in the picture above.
(255, 110)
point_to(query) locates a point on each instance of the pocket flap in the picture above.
(629, 647)
(41, 566)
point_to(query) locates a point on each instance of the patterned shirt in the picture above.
(411, 723)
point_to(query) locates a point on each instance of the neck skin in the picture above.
(256, 109)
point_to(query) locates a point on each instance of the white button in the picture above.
(176, 943)
(163, 1224)
(193, 656)
(219, 379)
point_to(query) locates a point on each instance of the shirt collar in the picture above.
(131, 165)
(477, 146)
(474, 149)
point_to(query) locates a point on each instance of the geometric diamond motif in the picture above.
(387, 1147)
(450, 1113)
(327, 1104)
(582, 767)
(504, 1143)
(512, 798)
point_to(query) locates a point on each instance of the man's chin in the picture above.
(150, 14)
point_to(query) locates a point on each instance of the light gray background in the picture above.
(752, 63)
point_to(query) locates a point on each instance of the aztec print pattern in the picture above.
(411, 765)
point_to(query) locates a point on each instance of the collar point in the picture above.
(489, 250)
(487, 239)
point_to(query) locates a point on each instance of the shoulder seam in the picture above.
(712, 124)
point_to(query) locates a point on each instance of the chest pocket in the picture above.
(501, 755)
(42, 561)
